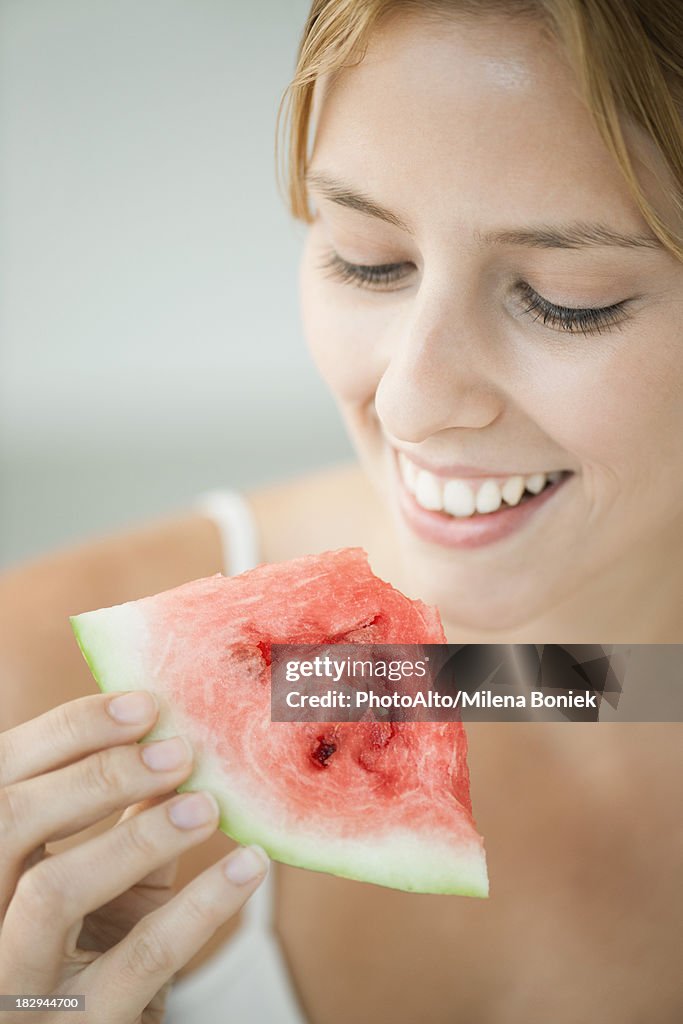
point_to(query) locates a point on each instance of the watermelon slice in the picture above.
(381, 802)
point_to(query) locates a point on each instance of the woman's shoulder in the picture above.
(317, 511)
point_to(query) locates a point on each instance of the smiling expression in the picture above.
(481, 295)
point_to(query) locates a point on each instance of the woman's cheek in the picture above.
(619, 414)
(342, 332)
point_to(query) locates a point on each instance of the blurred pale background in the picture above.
(150, 342)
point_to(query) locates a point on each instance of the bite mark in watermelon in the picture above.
(381, 802)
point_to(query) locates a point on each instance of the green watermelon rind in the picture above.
(395, 859)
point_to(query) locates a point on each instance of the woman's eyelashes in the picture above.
(573, 319)
(570, 319)
(363, 275)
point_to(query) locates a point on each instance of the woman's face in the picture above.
(458, 161)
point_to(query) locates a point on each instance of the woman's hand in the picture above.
(100, 919)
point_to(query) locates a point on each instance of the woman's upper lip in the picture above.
(460, 469)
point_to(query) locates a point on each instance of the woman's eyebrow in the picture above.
(344, 195)
(577, 235)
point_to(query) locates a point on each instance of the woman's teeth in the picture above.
(465, 497)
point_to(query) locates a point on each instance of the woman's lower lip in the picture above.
(471, 531)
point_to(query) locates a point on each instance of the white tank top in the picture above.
(246, 981)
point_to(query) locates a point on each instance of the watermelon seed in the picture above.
(323, 751)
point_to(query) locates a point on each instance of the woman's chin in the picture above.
(489, 599)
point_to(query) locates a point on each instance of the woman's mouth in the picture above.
(471, 511)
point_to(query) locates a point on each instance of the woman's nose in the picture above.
(437, 377)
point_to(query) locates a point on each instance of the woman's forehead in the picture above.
(482, 114)
(437, 62)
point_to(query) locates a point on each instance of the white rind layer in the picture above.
(396, 858)
(113, 641)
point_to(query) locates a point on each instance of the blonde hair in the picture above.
(627, 56)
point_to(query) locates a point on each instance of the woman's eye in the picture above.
(377, 276)
(573, 319)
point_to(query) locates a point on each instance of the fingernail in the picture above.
(194, 809)
(246, 864)
(130, 708)
(164, 755)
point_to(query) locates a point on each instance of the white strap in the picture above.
(231, 513)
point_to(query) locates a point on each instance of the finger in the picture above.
(136, 968)
(49, 807)
(117, 917)
(72, 730)
(54, 895)
(162, 877)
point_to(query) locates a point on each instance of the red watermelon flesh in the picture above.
(383, 802)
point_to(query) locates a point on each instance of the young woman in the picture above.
(492, 287)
